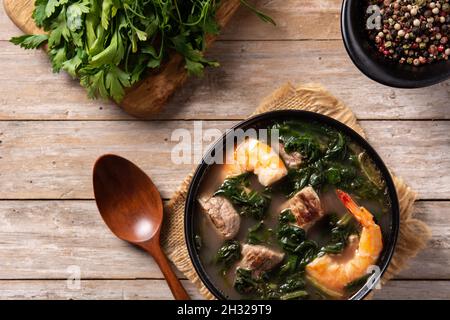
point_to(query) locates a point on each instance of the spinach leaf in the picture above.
(286, 216)
(228, 254)
(296, 295)
(328, 161)
(248, 202)
(290, 266)
(306, 145)
(293, 240)
(262, 288)
(290, 237)
(259, 233)
(244, 283)
(340, 234)
(293, 283)
(337, 148)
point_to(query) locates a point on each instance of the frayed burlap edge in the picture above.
(413, 235)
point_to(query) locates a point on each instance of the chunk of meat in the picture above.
(292, 160)
(222, 214)
(259, 258)
(305, 206)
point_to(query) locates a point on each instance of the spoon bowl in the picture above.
(131, 206)
(127, 199)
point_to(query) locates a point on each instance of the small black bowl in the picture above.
(390, 232)
(376, 67)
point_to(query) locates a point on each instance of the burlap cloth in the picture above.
(413, 235)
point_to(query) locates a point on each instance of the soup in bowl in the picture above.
(295, 206)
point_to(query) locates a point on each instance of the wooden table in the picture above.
(51, 134)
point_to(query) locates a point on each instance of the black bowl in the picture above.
(376, 67)
(263, 121)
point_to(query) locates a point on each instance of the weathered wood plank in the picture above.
(414, 290)
(41, 239)
(158, 290)
(31, 91)
(306, 19)
(54, 159)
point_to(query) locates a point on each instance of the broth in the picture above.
(320, 233)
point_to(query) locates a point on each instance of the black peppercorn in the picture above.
(414, 31)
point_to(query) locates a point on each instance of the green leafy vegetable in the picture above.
(30, 42)
(110, 44)
(293, 283)
(244, 283)
(328, 161)
(289, 288)
(260, 14)
(286, 216)
(296, 295)
(259, 233)
(340, 234)
(248, 202)
(291, 237)
(293, 240)
(229, 253)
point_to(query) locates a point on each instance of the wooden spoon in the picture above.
(131, 206)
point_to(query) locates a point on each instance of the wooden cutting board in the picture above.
(149, 95)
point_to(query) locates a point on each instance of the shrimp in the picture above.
(257, 157)
(333, 272)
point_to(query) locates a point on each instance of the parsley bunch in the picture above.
(110, 44)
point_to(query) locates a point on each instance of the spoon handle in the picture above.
(174, 283)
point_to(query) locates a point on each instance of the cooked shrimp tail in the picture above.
(333, 271)
(364, 217)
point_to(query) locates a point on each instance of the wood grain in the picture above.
(45, 159)
(53, 159)
(35, 93)
(157, 290)
(41, 239)
(20, 12)
(296, 20)
(150, 95)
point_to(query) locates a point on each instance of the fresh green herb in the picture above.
(248, 202)
(30, 41)
(260, 14)
(111, 44)
(228, 254)
(259, 233)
